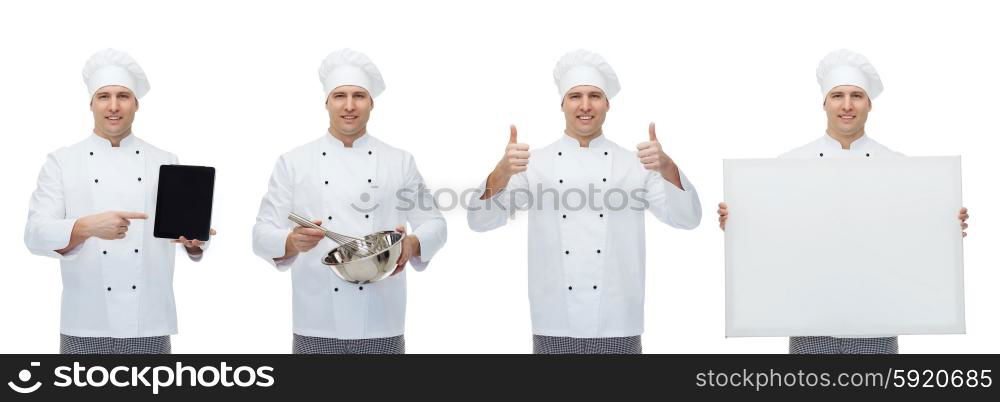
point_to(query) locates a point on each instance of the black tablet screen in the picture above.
(184, 202)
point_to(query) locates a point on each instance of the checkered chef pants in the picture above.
(311, 345)
(798, 345)
(78, 345)
(560, 345)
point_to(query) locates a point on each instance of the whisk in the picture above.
(358, 248)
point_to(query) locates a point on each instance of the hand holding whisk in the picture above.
(360, 247)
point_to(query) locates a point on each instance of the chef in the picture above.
(93, 210)
(848, 82)
(587, 197)
(354, 184)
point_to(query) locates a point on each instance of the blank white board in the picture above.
(844, 247)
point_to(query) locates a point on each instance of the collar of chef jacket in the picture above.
(828, 147)
(362, 142)
(598, 142)
(129, 142)
(111, 288)
(830, 142)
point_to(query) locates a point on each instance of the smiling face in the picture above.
(585, 108)
(114, 110)
(349, 107)
(847, 108)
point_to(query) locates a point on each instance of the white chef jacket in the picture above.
(586, 265)
(354, 192)
(111, 288)
(827, 147)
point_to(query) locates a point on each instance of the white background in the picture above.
(234, 84)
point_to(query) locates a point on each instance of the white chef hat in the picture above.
(113, 67)
(844, 67)
(348, 67)
(581, 67)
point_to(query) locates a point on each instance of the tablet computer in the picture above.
(184, 202)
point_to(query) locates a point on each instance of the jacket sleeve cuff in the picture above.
(271, 247)
(54, 235)
(491, 213)
(675, 193)
(431, 241)
(499, 197)
(682, 208)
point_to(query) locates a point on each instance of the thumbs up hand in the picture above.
(651, 154)
(653, 158)
(515, 158)
(514, 161)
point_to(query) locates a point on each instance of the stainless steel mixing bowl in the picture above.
(367, 268)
